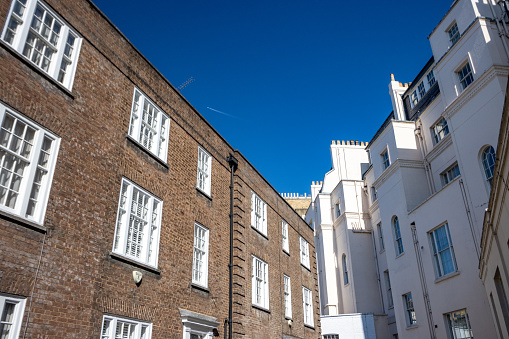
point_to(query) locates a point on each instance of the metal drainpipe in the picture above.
(500, 32)
(233, 167)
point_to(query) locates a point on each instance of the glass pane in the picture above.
(31, 208)
(8, 312)
(5, 176)
(3, 194)
(4, 331)
(15, 183)
(15, 144)
(11, 199)
(106, 327)
(8, 122)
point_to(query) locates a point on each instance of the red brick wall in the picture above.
(78, 280)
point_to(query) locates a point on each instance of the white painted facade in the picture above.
(439, 207)
(493, 264)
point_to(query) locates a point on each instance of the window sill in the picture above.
(447, 276)
(134, 263)
(391, 307)
(261, 308)
(450, 182)
(27, 62)
(146, 151)
(346, 285)
(200, 288)
(260, 233)
(312, 327)
(412, 327)
(286, 252)
(400, 255)
(382, 250)
(307, 268)
(203, 193)
(19, 220)
(288, 318)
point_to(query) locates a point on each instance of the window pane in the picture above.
(149, 125)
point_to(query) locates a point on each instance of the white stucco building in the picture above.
(398, 220)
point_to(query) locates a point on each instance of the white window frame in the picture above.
(149, 244)
(260, 283)
(337, 210)
(451, 173)
(307, 306)
(284, 235)
(488, 158)
(380, 236)
(113, 320)
(455, 330)
(421, 89)
(386, 160)
(287, 296)
(258, 214)
(436, 237)
(390, 300)
(16, 318)
(373, 194)
(431, 78)
(198, 325)
(156, 122)
(304, 252)
(398, 239)
(26, 189)
(200, 255)
(63, 55)
(204, 171)
(439, 130)
(414, 98)
(345, 270)
(454, 33)
(465, 75)
(408, 304)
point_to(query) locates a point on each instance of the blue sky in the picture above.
(281, 79)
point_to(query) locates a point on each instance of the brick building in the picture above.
(109, 175)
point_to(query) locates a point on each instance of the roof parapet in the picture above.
(349, 143)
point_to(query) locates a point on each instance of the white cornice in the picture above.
(322, 227)
(439, 148)
(373, 207)
(394, 167)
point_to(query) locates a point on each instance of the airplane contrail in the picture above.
(218, 111)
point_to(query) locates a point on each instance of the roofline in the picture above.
(157, 71)
(191, 106)
(420, 74)
(446, 14)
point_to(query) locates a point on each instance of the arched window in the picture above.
(345, 270)
(488, 163)
(397, 236)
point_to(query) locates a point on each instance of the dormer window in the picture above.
(414, 98)
(421, 90)
(454, 33)
(431, 78)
